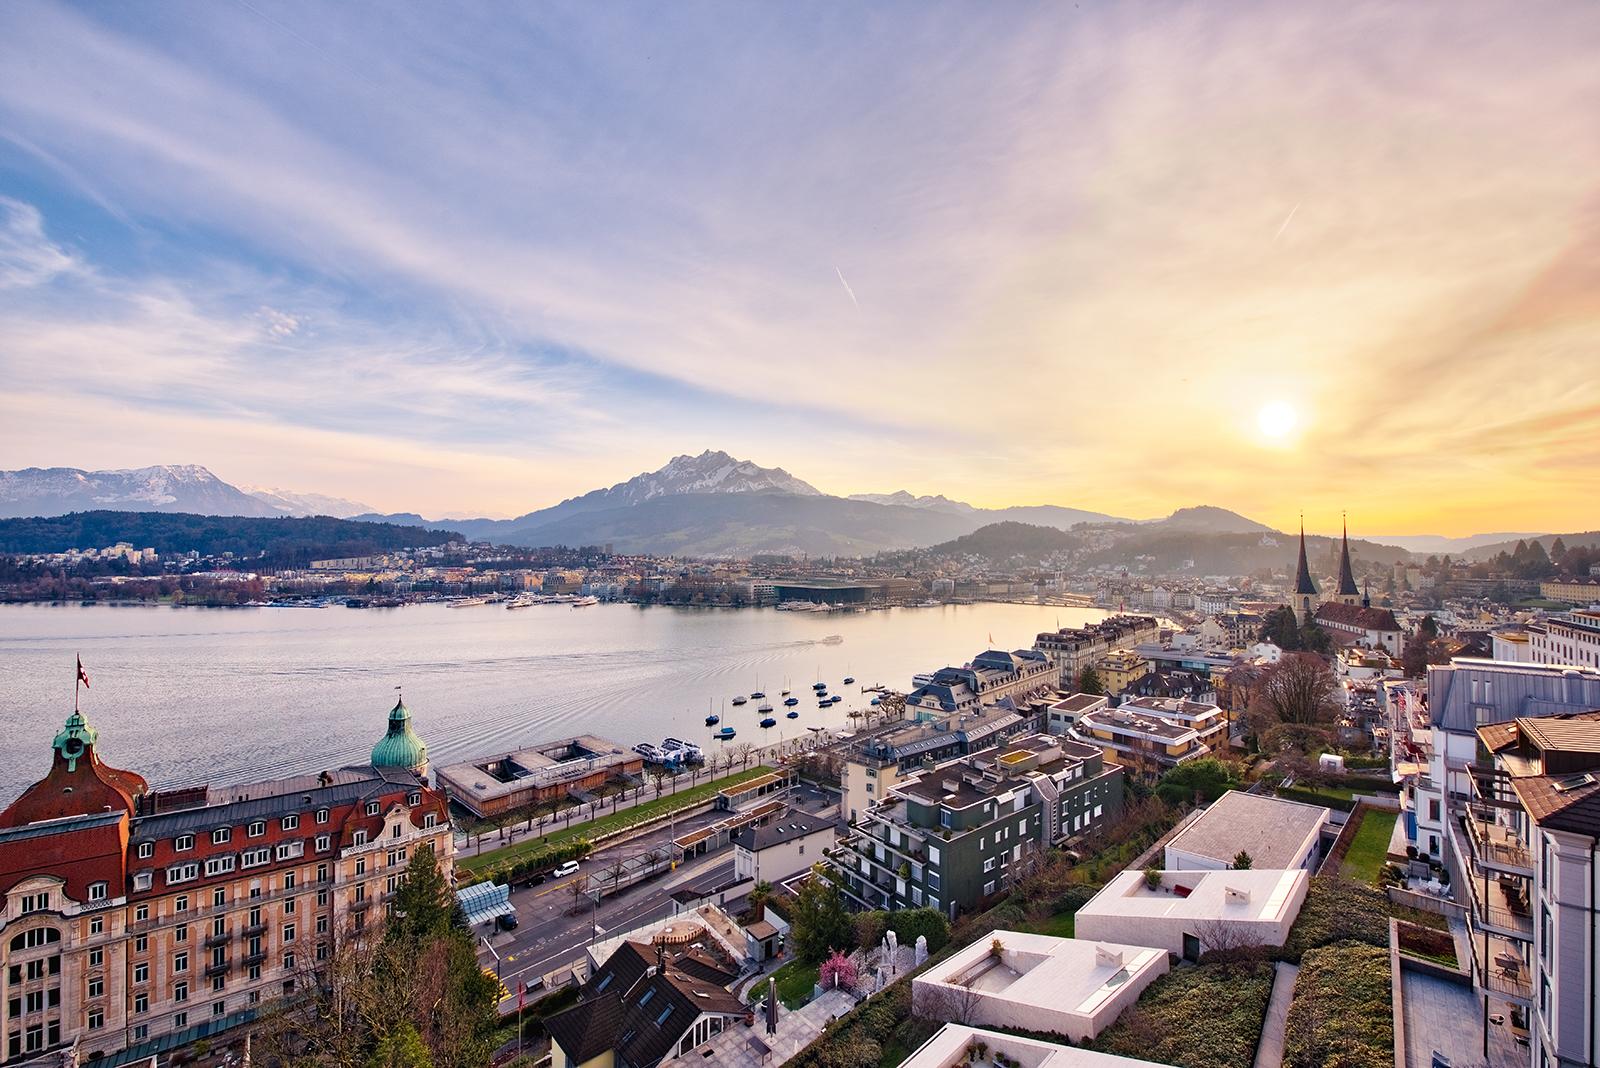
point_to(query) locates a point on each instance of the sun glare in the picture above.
(1277, 420)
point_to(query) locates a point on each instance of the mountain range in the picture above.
(707, 505)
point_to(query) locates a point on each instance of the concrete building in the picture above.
(1070, 987)
(781, 847)
(1075, 648)
(137, 920)
(1190, 912)
(1354, 624)
(994, 677)
(1064, 714)
(1277, 834)
(1576, 591)
(1571, 638)
(1153, 735)
(952, 1046)
(493, 786)
(949, 837)
(1531, 834)
(883, 761)
(1120, 669)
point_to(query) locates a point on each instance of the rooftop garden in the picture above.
(1369, 848)
(1342, 1015)
(1204, 1016)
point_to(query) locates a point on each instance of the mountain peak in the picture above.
(37, 491)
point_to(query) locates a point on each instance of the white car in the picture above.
(569, 868)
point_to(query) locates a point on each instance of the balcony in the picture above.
(1502, 968)
(360, 904)
(215, 940)
(215, 969)
(1495, 846)
(1501, 905)
(255, 930)
(254, 958)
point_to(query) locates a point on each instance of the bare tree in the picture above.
(1300, 689)
(947, 1002)
(1224, 941)
(743, 752)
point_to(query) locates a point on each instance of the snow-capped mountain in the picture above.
(902, 499)
(710, 472)
(292, 503)
(45, 491)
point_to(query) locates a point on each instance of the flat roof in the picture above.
(1273, 831)
(1075, 976)
(948, 1049)
(1256, 895)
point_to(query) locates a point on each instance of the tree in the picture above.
(1089, 681)
(402, 1047)
(1196, 782)
(1242, 861)
(1313, 638)
(838, 972)
(820, 921)
(423, 905)
(1281, 627)
(1299, 688)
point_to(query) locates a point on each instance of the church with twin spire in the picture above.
(1308, 599)
(1347, 614)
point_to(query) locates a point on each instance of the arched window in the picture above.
(39, 936)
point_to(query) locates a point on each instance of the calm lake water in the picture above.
(232, 695)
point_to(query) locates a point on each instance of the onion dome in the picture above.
(401, 747)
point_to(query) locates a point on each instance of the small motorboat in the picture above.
(766, 706)
(848, 679)
(792, 714)
(758, 695)
(769, 722)
(791, 701)
(725, 733)
(741, 699)
(819, 686)
(713, 720)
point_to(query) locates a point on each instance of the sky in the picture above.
(471, 259)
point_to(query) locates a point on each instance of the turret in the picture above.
(401, 747)
(1348, 594)
(1305, 591)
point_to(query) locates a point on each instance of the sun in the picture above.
(1277, 420)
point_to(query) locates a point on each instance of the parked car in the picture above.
(569, 868)
(508, 922)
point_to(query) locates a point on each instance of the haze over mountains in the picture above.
(707, 505)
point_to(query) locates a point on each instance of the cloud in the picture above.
(27, 257)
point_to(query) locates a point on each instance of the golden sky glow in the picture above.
(1127, 257)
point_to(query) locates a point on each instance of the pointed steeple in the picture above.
(1347, 578)
(1303, 586)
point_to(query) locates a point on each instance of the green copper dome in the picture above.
(400, 748)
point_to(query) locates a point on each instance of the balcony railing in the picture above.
(214, 940)
(1503, 970)
(1501, 902)
(214, 970)
(1496, 845)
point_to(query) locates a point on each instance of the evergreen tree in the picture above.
(1242, 861)
(820, 922)
(1089, 681)
(424, 907)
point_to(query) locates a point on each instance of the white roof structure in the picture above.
(1189, 912)
(948, 1049)
(1068, 986)
(483, 902)
(1277, 834)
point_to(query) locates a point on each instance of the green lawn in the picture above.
(1370, 847)
(796, 980)
(616, 821)
(1061, 925)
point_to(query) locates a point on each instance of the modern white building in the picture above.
(1066, 986)
(1190, 912)
(952, 1046)
(1276, 834)
(1570, 638)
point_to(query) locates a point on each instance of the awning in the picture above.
(483, 902)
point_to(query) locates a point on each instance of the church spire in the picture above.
(1347, 579)
(1302, 575)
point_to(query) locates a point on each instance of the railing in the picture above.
(1496, 844)
(214, 940)
(1502, 904)
(202, 912)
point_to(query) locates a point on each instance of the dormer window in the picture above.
(146, 850)
(221, 835)
(290, 823)
(322, 815)
(414, 799)
(358, 838)
(373, 808)
(257, 828)
(99, 891)
(183, 843)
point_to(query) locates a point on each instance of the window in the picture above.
(35, 902)
(372, 808)
(141, 1032)
(180, 1021)
(98, 891)
(219, 1008)
(288, 880)
(429, 820)
(288, 905)
(97, 925)
(361, 865)
(141, 972)
(183, 843)
(988, 888)
(183, 873)
(290, 823)
(219, 897)
(290, 850)
(324, 843)
(39, 936)
(180, 962)
(288, 961)
(141, 913)
(96, 957)
(219, 865)
(96, 1019)
(221, 836)
(359, 838)
(180, 933)
(322, 873)
(944, 818)
(322, 815)
(988, 865)
(322, 925)
(322, 951)
(394, 831)
(97, 988)
(141, 1003)
(180, 903)
(254, 858)
(216, 984)
(288, 932)
(180, 992)
(257, 828)
(413, 799)
(142, 880)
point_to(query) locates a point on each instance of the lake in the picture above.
(233, 695)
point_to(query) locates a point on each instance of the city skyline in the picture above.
(1275, 259)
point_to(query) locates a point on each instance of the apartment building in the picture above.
(993, 677)
(1570, 638)
(1074, 648)
(1152, 735)
(948, 837)
(1581, 591)
(1531, 834)
(883, 761)
(136, 920)
(1120, 669)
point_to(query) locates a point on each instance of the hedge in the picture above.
(527, 865)
(1342, 1015)
(1311, 797)
(907, 924)
(1205, 1016)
